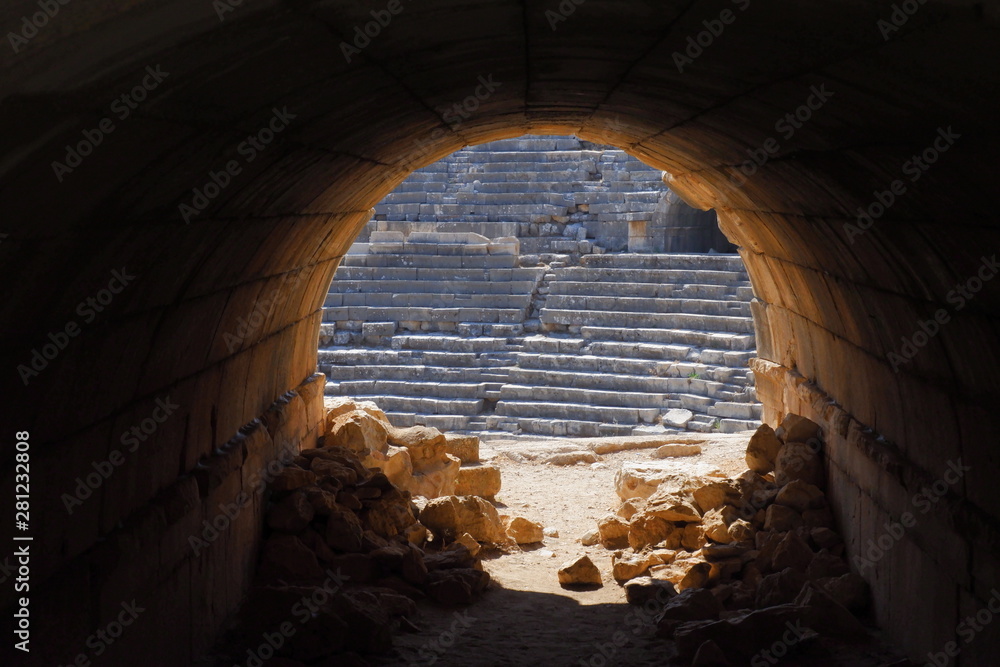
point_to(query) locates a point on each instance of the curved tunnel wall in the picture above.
(222, 314)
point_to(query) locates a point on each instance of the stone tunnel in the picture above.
(181, 178)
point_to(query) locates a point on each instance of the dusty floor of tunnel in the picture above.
(527, 618)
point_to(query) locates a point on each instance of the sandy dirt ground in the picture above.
(528, 618)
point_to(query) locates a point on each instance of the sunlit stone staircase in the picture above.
(625, 339)
(629, 337)
(490, 293)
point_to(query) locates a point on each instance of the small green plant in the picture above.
(694, 376)
(716, 425)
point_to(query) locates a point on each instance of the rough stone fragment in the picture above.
(580, 570)
(743, 636)
(591, 537)
(469, 543)
(323, 467)
(388, 515)
(792, 552)
(643, 589)
(463, 447)
(629, 508)
(849, 590)
(741, 531)
(613, 531)
(710, 655)
(825, 538)
(763, 450)
(780, 518)
(716, 523)
(340, 405)
(627, 565)
(671, 507)
(697, 577)
(344, 531)
(694, 604)
(450, 516)
(645, 531)
(827, 616)
(456, 586)
(795, 428)
(797, 460)
(716, 494)
(480, 480)
(287, 558)
(779, 588)
(292, 514)
(359, 432)
(677, 417)
(641, 480)
(292, 478)
(427, 446)
(676, 451)
(800, 496)
(524, 531)
(693, 537)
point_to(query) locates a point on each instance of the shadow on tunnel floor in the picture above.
(515, 628)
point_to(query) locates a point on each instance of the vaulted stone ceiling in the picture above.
(225, 156)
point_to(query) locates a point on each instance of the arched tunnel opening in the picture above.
(174, 167)
(542, 285)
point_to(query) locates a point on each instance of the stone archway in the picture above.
(227, 156)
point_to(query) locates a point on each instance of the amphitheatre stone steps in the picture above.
(619, 398)
(535, 143)
(673, 320)
(446, 317)
(350, 358)
(429, 300)
(632, 304)
(425, 405)
(698, 261)
(414, 373)
(423, 317)
(446, 390)
(704, 339)
(471, 262)
(479, 287)
(436, 275)
(634, 347)
(655, 290)
(477, 344)
(700, 378)
(672, 276)
(606, 381)
(579, 412)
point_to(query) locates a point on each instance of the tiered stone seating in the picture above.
(437, 282)
(628, 337)
(468, 306)
(481, 297)
(559, 195)
(440, 380)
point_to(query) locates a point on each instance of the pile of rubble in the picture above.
(361, 528)
(728, 564)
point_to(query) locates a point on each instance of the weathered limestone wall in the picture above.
(204, 526)
(342, 133)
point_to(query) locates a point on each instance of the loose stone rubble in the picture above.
(362, 527)
(736, 560)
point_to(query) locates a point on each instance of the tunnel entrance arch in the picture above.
(503, 290)
(834, 299)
